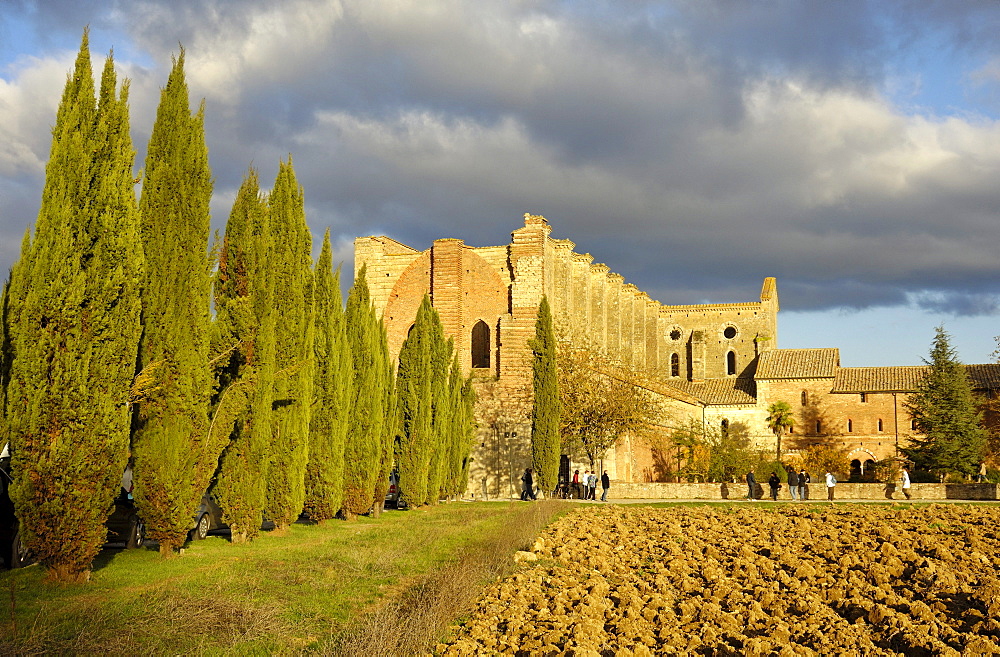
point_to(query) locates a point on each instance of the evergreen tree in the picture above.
(291, 265)
(332, 385)
(174, 458)
(945, 412)
(366, 447)
(546, 410)
(390, 429)
(75, 329)
(441, 427)
(415, 392)
(244, 334)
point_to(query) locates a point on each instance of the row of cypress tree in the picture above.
(283, 402)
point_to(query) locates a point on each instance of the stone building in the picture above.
(716, 363)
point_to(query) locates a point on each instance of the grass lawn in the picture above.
(327, 589)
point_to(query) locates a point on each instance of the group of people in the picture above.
(798, 484)
(583, 487)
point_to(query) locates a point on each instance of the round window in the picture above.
(675, 333)
(729, 332)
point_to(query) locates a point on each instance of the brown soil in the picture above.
(860, 580)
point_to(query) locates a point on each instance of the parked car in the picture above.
(207, 518)
(392, 499)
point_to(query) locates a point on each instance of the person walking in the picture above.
(804, 484)
(585, 484)
(793, 482)
(527, 486)
(575, 492)
(831, 483)
(605, 484)
(751, 485)
(592, 486)
(906, 483)
(774, 484)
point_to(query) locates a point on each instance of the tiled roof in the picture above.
(798, 363)
(720, 392)
(879, 379)
(906, 378)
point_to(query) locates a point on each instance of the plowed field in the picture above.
(793, 580)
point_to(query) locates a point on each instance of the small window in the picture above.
(731, 362)
(675, 334)
(880, 424)
(480, 345)
(805, 397)
(864, 398)
(913, 425)
(850, 426)
(819, 427)
(729, 332)
(675, 365)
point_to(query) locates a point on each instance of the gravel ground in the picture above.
(792, 579)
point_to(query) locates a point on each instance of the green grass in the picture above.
(317, 588)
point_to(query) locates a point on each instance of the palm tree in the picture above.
(779, 420)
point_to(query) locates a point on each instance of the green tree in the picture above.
(779, 421)
(415, 394)
(442, 351)
(731, 453)
(946, 413)
(174, 456)
(332, 385)
(244, 335)
(74, 332)
(370, 403)
(546, 409)
(291, 267)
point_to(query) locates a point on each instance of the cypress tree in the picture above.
(390, 427)
(439, 448)
(291, 264)
(413, 383)
(332, 384)
(75, 334)
(244, 291)
(546, 408)
(174, 456)
(467, 433)
(365, 448)
(945, 411)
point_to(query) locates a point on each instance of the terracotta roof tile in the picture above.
(798, 363)
(720, 392)
(905, 378)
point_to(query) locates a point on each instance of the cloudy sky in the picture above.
(851, 149)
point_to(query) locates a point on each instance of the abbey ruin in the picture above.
(718, 364)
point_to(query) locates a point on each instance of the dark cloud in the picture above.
(693, 146)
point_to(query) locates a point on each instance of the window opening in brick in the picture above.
(480, 345)
(675, 335)
(864, 398)
(805, 397)
(850, 426)
(880, 424)
(731, 362)
(819, 427)
(675, 365)
(913, 425)
(729, 332)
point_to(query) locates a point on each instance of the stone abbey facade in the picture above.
(715, 363)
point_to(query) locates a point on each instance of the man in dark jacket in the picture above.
(793, 483)
(605, 484)
(751, 486)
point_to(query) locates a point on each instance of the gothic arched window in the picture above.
(480, 345)
(675, 365)
(731, 362)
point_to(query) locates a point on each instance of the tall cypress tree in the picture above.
(945, 411)
(174, 457)
(244, 333)
(415, 393)
(332, 384)
(365, 448)
(291, 264)
(441, 356)
(546, 409)
(75, 332)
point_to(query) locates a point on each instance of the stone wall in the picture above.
(844, 491)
